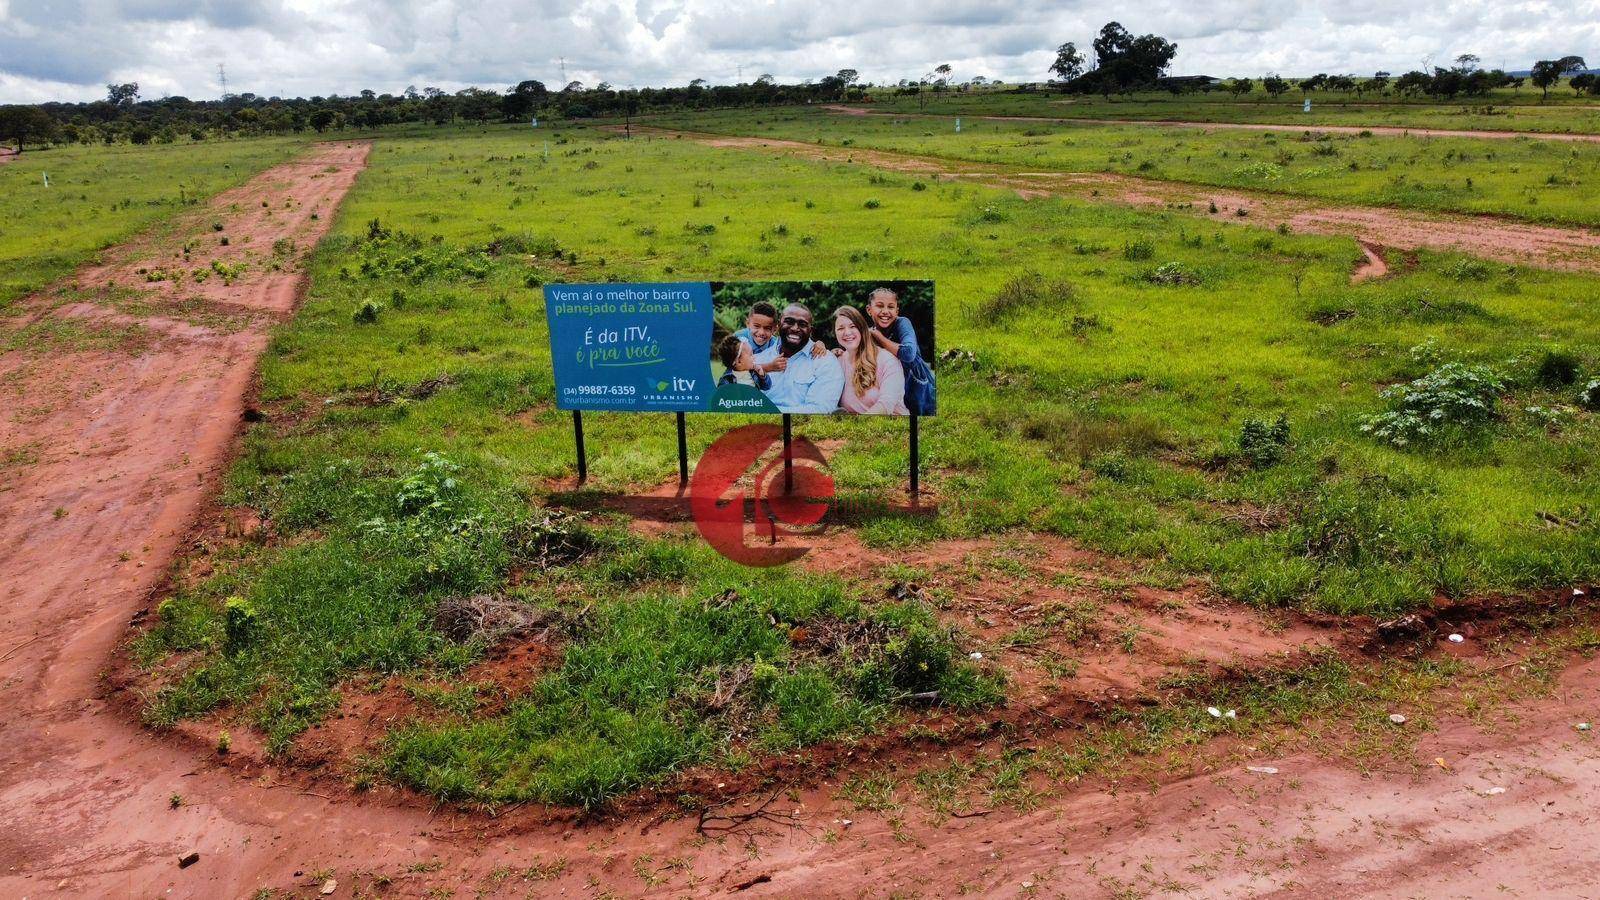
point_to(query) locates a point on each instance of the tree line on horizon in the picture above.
(1122, 63)
(1125, 64)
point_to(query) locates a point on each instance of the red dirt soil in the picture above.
(1491, 237)
(1391, 130)
(121, 440)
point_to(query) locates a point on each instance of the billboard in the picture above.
(812, 347)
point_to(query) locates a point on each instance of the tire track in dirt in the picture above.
(1386, 130)
(1519, 243)
(123, 396)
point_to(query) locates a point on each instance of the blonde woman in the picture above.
(874, 380)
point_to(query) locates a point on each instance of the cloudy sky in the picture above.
(69, 49)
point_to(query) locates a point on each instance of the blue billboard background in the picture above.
(631, 346)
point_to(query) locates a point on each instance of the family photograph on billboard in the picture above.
(826, 347)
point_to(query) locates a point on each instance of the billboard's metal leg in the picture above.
(683, 452)
(915, 462)
(577, 439)
(788, 457)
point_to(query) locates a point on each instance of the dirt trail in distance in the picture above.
(1572, 249)
(1387, 130)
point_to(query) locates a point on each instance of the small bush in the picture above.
(1262, 442)
(367, 313)
(1139, 250)
(1556, 369)
(1454, 398)
(872, 204)
(239, 620)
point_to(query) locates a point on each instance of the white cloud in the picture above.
(69, 49)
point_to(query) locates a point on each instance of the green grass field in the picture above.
(1503, 110)
(98, 197)
(1549, 181)
(1129, 372)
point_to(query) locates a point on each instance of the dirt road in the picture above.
(1390, 130)
(1575, 249)
(121, 402)
(120, 408)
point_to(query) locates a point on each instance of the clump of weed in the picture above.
(1138, 250)
(1453, 399)
(872, 203)
(1172, 273)
(1024, 292)
(1469, 270)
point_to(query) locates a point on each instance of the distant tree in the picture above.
(1446, 83)
(321, 118)
(848, 77)
(1581, 83)
(22, 124)
(122, 94)
(573, 87)
(524, 99)
(1378, 82)
(1547, 73)
(1069, 62)
(1341, 83)
(1124, 62)
(1241, 86)
(1275, 85)
(1467, 63)
(1413, 82)
(1316, 82)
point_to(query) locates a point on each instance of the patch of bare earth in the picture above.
(1546, 246)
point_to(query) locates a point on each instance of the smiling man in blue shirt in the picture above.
(809, 384)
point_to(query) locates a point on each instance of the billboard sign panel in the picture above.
(811, 347)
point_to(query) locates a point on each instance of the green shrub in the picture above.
(1556, 369)
(367, 313)
(1452, 399)
(1262, 442)
(1589, 397)
(1139, 250)
(239, 619)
